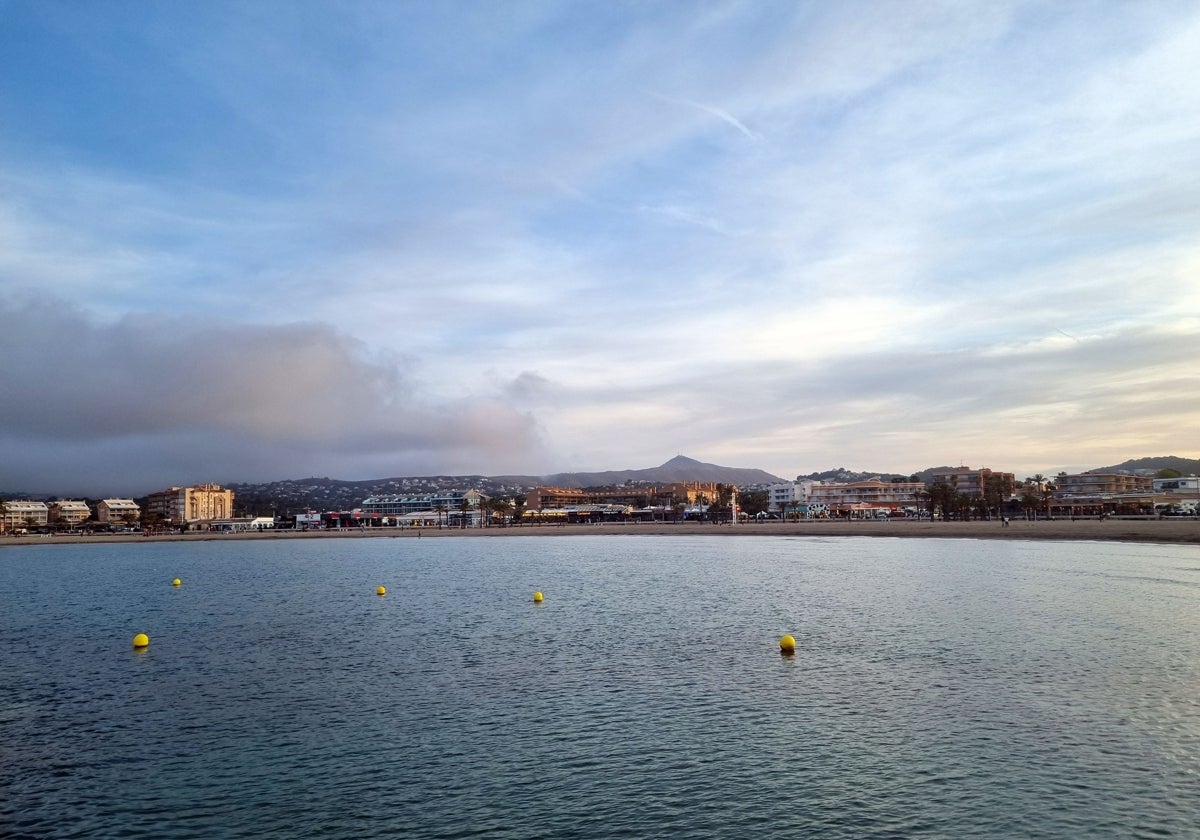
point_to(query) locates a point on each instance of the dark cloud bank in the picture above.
(152, 400)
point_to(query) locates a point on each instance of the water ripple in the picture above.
(1041, 691)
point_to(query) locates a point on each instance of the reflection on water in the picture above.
(940, 689)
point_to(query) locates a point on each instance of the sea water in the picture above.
(940, 688)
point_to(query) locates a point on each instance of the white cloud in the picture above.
(831, 233)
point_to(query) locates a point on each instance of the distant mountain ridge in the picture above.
(336, 494)
(1134, 466)
(1149, 466)
(679, 468)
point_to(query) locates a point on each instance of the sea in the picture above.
(939, 688)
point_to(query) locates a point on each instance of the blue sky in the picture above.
(252, 241)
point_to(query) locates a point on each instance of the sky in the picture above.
(246, 242)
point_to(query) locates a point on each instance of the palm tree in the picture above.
(501, 508)
(1030, 501)
(923, 502)
(1047, 495)
(941, 495)
(719, 502)
(464, 508)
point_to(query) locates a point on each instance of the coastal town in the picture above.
(957, 494)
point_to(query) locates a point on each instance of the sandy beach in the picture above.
(1175, 530)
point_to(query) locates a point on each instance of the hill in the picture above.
(1149, 466)
(335, 494)
(841, 475)
(679, 468)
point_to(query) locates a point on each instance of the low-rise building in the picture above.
(1099, 484)
(241, 524)
(665, 495)
(24, 513)
(576, 514)
(450, 507)
(1187, 485)
(1086, 494)
(117, 511)
(789, 494)
(69, 512)
(868, 496)
(976, 482)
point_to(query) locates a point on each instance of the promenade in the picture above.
(1178, 530)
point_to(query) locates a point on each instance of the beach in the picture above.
(1177, 530)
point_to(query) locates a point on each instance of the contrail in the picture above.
(721, 114)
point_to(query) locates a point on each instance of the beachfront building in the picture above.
(583, 514)
(1098, 494)
(202, 503)
(242, 524)
(872, 497)
(651, 495)
(1098, 484)
(457, 508)
(789, 495)
(976, 482)
(20, 514)
(69, 512)
(1176, 496)
(117, 511)
(1185, 485)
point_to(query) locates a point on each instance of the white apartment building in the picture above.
(789, 493)
(1188, 484)
(22, 514)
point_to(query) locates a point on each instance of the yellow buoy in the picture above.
(787, 645)
(141, 640)
(537, 597)
(380, 590)
(177, 582)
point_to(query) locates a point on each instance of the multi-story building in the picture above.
(1101, 484)
(201, 503)
(117, 510)
(1104, 493)
(872, 494)
(789, 493)
(974, 482)
(446, 506)
(665, 495)
(23, 513)
(69, 512)
(1187, 484)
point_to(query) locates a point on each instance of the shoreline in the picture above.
(1180, 531)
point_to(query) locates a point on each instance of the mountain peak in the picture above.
(684, 461)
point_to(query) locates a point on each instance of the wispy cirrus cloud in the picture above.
(779, 235)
